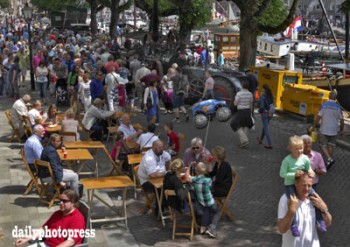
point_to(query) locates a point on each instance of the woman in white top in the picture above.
(84, 91)
(69, 124)
(41, 78)
(167, 86)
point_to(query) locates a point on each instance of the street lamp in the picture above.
(28, 12)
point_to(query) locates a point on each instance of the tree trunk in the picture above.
(93, 24)
(247, 41)
(184, 36)
(114, 17)
(155, 21)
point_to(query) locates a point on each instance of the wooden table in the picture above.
(134, 159)
(92, 145)
(54, 129)
(138, 126)
(74, 155)
(158, 187)
(92, 184)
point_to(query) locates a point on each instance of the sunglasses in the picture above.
(64, 200)
(194, 148)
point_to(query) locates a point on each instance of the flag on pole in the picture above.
(296, 24)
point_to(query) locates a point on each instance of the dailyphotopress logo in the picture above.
(29, 232)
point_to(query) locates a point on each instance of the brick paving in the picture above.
(254, 201)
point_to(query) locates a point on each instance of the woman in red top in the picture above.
(61, 223)
(173, 142)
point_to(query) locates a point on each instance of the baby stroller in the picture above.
(62, 98)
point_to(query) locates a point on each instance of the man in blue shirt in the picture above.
(96, 86)
(33, 147)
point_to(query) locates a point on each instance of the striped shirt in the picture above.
(202, 186)
(244, 99)
(331, 113)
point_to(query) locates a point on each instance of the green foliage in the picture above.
(274, 15)
(4, 4)
(345, 7)
(164, 6)
(195, 14)
(54, 5)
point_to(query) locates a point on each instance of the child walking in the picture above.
(295, 161)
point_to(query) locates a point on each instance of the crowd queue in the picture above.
(95, 82)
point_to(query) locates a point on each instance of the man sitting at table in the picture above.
(154, 164)
(130, 134)
(95, 119)
(61, 175)
(146, 140)
(195, 154)
(35, 112)
(19, 109)
(33, 147)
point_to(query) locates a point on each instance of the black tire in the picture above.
(195, 91)
(224, 90)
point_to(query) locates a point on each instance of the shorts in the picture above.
(178, 101)
(24, 71)
(325, 140)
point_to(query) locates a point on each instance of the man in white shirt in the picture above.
(146, 140)
(35, 112)
(154, 164)
(95, 119)
(130, 134)
(19, 109)
(33, 147)
(302, 206)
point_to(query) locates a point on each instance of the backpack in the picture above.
(180, 84)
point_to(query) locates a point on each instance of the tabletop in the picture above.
(132, 144)
(56, 128)
(138, 126)
(107, 182)
(84, 144)
(157, 182)
(134, 158)
(75, 154)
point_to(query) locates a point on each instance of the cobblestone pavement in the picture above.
(254, 201)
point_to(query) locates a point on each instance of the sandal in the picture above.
(243, 145)
(259, 140)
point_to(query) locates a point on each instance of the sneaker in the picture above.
(295, 230)
(243, 145)
(322, 226)
(187, 117)
(268, 146)
(259, 140)
(211, 232)
(176, 120)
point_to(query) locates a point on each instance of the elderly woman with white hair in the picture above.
(316, 160)
(195, 154)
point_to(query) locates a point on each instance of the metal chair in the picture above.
(85, 211)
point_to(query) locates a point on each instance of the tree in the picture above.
(53, 5)
(251, 23)
(116, 7)
(5, 4)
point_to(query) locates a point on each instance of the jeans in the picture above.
(265, 119)
(209, 215)
(72, 178)
(42, 88)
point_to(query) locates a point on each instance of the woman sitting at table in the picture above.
(51, 115)
(221, 173)
(69, 124)
(173, 181)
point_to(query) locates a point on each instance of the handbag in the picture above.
(148, 102)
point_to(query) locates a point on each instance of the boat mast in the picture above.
(329, 25)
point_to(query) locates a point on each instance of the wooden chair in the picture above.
(112, 130)
(150, 197)
(175, 213)
(182, 140)
(223, 201)
(27, 126)
(46, 185)
(15, 132)
(85, 211)
(88, 132)
(116, 167)
(33, 176)
(68, 134)
(144, 149)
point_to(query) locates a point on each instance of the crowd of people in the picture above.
(95, 82)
